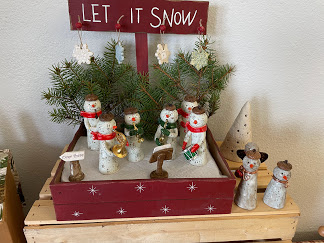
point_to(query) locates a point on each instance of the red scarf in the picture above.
(99, 136)
(90, 114)
(196, 129)
(183, 113)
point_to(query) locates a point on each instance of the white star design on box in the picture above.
(199, 58)
(82, 54)
(210, 208)
(121, 211)
(77, 214)
(140, 188)
(92, 190)
(165, 209)
(162, 54)
(192, 187)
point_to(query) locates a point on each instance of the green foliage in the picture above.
(119, 86)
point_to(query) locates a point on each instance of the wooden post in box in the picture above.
(140, 17)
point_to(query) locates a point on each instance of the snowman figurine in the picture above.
(275, 194)
(246, 195)
(167, 131)
(197, 127)
(188, 103)
(133, 130)
(92, 110)
(106, 136)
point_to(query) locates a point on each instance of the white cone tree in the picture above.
(239, 134)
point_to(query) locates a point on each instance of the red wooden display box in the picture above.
(143, 198)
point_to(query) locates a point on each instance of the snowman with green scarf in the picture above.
(167, 131)
(133, 131)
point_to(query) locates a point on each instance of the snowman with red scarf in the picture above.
(189, 102)
(92, 110)
(197, 127)
(107, 137)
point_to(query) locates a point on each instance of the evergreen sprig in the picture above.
(119, 86)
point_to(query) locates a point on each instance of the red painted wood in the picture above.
(141, 52)
(107, 195)
(94, 11)
(143, 209)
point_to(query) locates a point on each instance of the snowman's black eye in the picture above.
(248, 162)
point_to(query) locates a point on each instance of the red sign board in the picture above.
(140, 16)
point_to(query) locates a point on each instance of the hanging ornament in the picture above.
(162, 53)
(119, 49)
(199, 57)
(81, 52)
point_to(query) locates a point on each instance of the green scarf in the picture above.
(169, 125)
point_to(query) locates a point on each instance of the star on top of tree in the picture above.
(82, 54)
(199, 58)
(162, 54)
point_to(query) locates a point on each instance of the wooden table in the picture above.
(263, 223)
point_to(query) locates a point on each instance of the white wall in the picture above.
(277, 47)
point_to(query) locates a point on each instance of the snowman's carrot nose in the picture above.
(285, 177)
(114, 127)
(251, 166)
(195, 121)
(189, 108)
(167, 116)
(133, 119)
(93, 105)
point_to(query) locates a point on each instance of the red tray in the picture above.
(156, 198)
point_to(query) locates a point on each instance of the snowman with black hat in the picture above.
(246, 195)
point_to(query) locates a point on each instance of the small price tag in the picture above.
(71, 156)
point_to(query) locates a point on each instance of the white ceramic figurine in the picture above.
(91, 113)
(275, 194)
(133, 131)
(246, 195)
(188, 103)
(106, 136)
(167, 131)
(197, 127)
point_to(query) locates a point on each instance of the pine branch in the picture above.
(193, 68)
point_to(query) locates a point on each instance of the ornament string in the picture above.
(80, 31)
(118, 26)
(162, 30)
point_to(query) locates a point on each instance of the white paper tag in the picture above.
(166, 146)
(71, 156)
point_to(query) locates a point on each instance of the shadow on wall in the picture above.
(32, 156)
(289, 140)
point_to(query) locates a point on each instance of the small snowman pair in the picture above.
(133, 131)
(275, 194)
(246, 195)
(189, 102)
(106, 136)
(197, 127)
(167, 131)
(91, 113)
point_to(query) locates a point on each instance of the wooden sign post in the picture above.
(140, 17)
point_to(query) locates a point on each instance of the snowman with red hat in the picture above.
(197, 127)
(133, 130)
(246, 194)
(92, 110)
(189, 102)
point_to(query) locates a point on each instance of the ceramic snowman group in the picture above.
(275, 194)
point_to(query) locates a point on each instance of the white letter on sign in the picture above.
(94, 13)
(106, 12)
(155, 26)
(184, 20)
(138, 14)
(83, 14)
